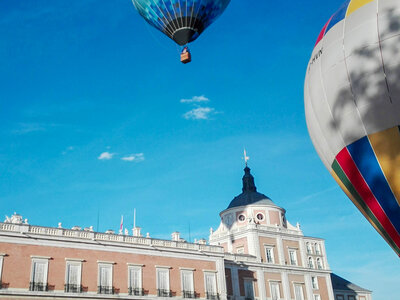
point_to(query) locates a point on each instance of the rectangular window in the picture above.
(269, 254)
(275, 293)
(73, 277)
(163, 282)
(293, 257)
(339, 297)
(211, 285)
(105, 279)
(135, 280)
(317, 297)
(314, 282)
(351, 297)
(39, 274)
(298, 292)
(187, 284)
(1, 267)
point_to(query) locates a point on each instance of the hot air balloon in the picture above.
(181, 20)
(352, 107)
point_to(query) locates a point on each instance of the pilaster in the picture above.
(261, 285)
(285, 286)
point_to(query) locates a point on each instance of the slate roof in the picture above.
(339, 283)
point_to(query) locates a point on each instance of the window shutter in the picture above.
(298, 292)
(187, 279)
(163, 279)
(105, 276)
(39, 272)
(275, 291)
(73, 274)
(210, 283)
(135, 278)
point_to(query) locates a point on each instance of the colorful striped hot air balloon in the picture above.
(352, 105)
(181, 20)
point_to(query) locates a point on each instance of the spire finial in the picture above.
(246, 158)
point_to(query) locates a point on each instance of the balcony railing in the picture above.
(164, 293)
(108, 290)
(136, 291)
(188, 294)
(38, 286)
(72, 288)
(212, 296)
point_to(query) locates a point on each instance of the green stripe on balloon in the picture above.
(342, 176)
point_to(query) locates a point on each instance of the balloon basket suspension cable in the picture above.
(186, 57)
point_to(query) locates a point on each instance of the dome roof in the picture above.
(249, 195)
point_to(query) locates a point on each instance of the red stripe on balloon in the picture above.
(322, 33)
(357, 180)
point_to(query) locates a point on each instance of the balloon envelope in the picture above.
(181, 20)
(352, 106)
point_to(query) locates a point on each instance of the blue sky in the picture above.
(99, 117)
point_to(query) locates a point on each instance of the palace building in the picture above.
(255, 254)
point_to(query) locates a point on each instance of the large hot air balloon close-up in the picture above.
(352, 106)
(181, 20)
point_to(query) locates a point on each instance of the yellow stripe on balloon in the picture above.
(386, 145)
(356, 4)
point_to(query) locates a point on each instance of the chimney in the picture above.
(202, 242)
(176, 236)
(136, 231)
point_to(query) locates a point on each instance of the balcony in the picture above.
(164, 293)
(212, 296)
(188, 294)
(136, 291)
(38, 286)
(107, 290)
(72, 288)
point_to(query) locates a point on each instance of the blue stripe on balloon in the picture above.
(363, 155)
(338, 16)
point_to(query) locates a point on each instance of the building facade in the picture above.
(254, 254)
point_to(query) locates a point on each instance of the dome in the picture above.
(249, 193)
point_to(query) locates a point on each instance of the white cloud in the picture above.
(106, 156)
(200, 113)
(68, 149)
(196, 99)
(138, 157)
(25, 128)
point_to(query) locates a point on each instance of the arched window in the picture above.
(310, 263)
(319, 264)
(317, 249)
(309, 250)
